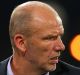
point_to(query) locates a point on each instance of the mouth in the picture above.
(54, 60)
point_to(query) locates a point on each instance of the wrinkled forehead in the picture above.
(53, 26)
(46, 19)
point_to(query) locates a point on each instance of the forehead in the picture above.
(46, 27)
(46, 21)
(52, 30)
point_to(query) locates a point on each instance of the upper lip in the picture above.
(55, 57)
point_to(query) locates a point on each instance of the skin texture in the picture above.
(36, 38)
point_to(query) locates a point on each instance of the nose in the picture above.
(59, 45)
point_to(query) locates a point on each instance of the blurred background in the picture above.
(69, 11)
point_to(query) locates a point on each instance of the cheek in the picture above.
(45, 50)
(48, 49)
(40, 50)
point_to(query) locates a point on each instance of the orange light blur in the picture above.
(75, 47)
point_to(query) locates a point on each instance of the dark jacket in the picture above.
(62, 69)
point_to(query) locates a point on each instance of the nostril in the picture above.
(60, 47)
(57, 48)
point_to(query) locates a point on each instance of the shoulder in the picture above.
(64, 68)
(69, 66)
(3, 66)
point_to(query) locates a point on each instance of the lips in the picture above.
(54, 60)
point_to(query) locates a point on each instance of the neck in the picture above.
(21, 67)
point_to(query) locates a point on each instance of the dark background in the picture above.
(69, 11)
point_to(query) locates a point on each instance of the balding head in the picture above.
(35, 32)
(22, 17)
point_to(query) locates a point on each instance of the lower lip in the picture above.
(54, 61)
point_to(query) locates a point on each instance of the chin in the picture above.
(50, 68)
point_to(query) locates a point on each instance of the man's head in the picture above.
(35, 32)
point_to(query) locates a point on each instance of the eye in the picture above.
(50, 38)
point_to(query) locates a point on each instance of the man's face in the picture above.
(45, 44)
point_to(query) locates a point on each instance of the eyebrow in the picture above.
(52, 35)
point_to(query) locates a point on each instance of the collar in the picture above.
(9, 70)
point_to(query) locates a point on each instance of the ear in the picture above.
(20, 42)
